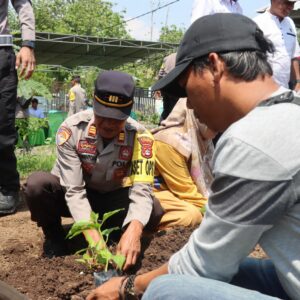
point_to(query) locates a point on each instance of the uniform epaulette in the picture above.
(85, 116)
(132, 124)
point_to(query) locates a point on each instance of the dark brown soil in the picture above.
(62, 278)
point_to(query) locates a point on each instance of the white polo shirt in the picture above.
(208, 7)
(284, 37)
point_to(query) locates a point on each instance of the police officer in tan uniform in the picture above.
(76, 96)
(105, 162)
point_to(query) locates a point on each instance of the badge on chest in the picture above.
(125, 153)
(86, 148)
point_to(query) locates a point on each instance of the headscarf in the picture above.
(190, 138)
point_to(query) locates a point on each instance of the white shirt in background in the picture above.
(284, 37)
(208, 7)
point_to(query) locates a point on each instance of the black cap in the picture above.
(222, 32)
(113, 97)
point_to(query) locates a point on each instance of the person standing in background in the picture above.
(169, 101)
(9, 63)
(208, 7)
(76, 96)
(281, 30)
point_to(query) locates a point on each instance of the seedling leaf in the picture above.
(97, 255)
(119, 260)
(110, 214)
(108, 231)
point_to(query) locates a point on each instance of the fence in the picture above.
(144, 102)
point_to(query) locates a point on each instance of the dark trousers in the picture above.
(9, 178)
(46, 201)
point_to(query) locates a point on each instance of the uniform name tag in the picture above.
(84, 147)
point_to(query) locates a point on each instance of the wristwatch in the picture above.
(129, 293)
(297, 80)
(29, 44)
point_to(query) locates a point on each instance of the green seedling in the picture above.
(97, 256)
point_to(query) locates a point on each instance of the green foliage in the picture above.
(146, 71)
(171, 34)
(96, 18)
(30, 125)
(31, 87)
(28, 162)
(89, 17)
(87, 77)
(96, 256)
(148, 119)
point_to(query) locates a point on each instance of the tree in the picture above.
(171, 34)
(88, 17)
(146, 71)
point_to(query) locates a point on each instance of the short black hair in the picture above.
(246, 65)
(76, 78)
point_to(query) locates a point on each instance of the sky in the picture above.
(178, 13)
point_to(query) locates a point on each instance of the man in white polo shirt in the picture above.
(281, 30)
(208, 7)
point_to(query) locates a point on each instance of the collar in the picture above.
(282, 95)
(274, 17)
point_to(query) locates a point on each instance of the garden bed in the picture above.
(62, 278)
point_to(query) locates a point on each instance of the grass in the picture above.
(37, 159)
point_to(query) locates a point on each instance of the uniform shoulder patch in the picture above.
(146, 143)
(62, 136)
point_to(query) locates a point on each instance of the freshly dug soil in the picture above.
(62, 278)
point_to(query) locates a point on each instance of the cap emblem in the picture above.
(114, 101)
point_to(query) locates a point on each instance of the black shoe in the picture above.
(9, 201)
(54, 248)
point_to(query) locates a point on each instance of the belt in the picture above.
(6, 40)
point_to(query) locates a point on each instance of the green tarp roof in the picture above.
(106, 53)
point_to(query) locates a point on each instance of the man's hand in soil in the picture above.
(130, 243)
(114, 288)
(107, 291)
(26, 62)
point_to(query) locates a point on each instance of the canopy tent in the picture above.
(106, 53)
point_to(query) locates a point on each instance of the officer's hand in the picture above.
(130, 243)
(26, 61)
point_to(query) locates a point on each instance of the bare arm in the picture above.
(142, 281)
(25, 58)
(296, 73)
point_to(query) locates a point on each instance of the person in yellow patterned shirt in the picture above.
(182, 167)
